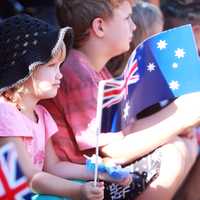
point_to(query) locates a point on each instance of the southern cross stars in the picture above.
(180, 53)
(175, 65)
(174, 85)
(161, 44)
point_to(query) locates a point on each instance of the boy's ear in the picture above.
(98, 27)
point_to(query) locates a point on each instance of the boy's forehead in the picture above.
(125, 7)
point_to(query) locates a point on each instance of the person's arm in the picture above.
(71, 170)
(151, 132)
(64, 169)
(45, 183)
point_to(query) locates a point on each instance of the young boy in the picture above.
(104, 29)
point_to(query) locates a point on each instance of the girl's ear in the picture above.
(98, 27)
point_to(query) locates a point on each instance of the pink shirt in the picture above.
(34, 135)
(74, 109)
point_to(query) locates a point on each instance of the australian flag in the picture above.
(13, 184)
(163, 67)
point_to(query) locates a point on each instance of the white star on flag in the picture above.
(175, 65)
(151, 67)
(180, 53)
(174, 85)
(161, 44)
(126, 109)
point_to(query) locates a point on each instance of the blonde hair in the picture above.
(13, 96)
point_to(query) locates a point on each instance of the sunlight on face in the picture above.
(44, 86)
(46, 79)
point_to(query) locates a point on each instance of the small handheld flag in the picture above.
(13, 183)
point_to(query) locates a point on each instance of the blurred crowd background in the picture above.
(43, 9)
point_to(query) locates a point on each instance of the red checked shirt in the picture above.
(74, 109)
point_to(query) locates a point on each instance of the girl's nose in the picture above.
(59, 74)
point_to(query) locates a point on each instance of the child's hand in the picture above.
(90, 192)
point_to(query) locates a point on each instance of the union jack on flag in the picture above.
(117, 89)
(13, 183)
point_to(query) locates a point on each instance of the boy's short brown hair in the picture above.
(79, 14)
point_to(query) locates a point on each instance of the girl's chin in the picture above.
(49, 95)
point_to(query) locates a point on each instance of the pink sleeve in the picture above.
(12, 122)
(50, 125)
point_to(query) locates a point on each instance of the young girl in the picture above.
(30, 56)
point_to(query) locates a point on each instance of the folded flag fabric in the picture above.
(13, 183)
(113, 170)
(163, 67)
